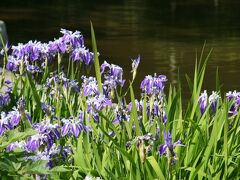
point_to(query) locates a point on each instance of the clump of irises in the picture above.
(34, 54)
(65, 109)
(212, 100)
(233, 98)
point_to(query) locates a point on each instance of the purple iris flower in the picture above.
(73, 84)
(98, 102)
(67, 150)
(18, 51)
(164, 117)
(9, 121)
(4, 99)
(121, 114)
(231, 95)
(53, 48)
(169, 145)
(153, 85)
(112, 75)
(203, 100)
(238, 101)
(135, 63)
(48, 132)
(73, 126)
(147, 84)
(235, 97)
(32, 51)
(89, 86)
(159, 82)
(213, 100)
(13, 64)
(75, 39)
(82, 54)
(3, 123)
(158, 110)
(14, 118)
(8, 82)
(56, 46)
(34, 142)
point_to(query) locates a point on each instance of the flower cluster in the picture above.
(82, 54)
(153, 85)
(113, 76)
(47, 133)
(54, 127)
(232, 97)
(121, 113)
(204, 100)
(43, 144)
(89, 86)
(56, 81)
(33, 54)
(96, 104)
(51, 155)
(74, 125)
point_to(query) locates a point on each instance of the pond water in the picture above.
(166, 33)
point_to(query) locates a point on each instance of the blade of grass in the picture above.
(134, 112)
(34, 92)
(96, 60)
(156, 167)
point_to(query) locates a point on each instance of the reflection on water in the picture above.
(166, 33)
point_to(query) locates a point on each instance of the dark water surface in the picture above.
(166, 33)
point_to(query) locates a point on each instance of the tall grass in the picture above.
(210, 141)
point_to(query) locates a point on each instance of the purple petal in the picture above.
(178, 143)
(15, 120)
(75, 130)
(65, 129)
(163, 149)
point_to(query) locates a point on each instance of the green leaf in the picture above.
(37, 167)
(156, 167)
(96, 61)
(78, 153)
(134, 114)
(60, 169)
(34, 91)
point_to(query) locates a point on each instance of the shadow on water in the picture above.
(166, 33)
